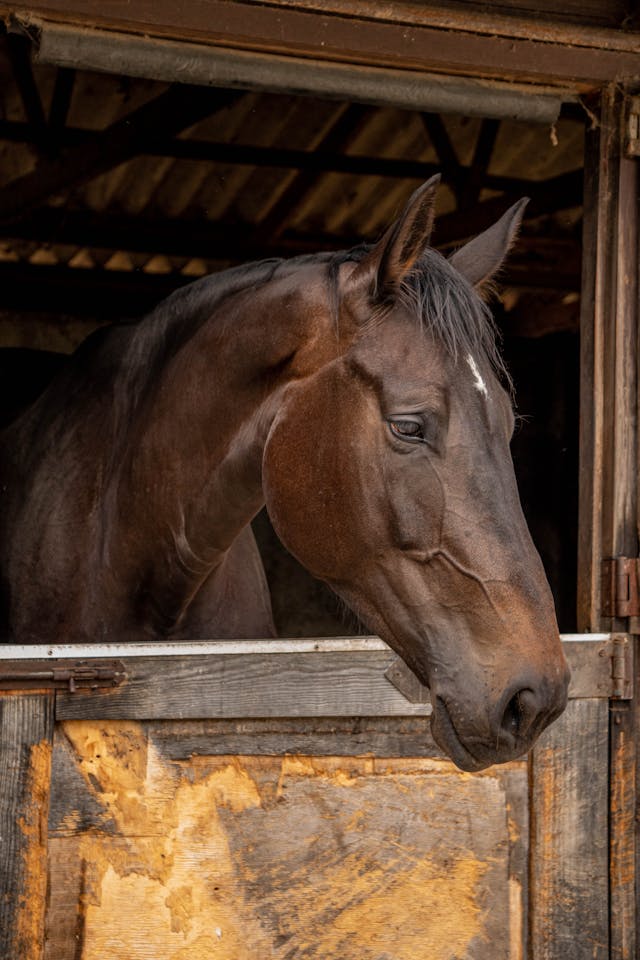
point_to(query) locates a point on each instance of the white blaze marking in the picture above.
(479, 382)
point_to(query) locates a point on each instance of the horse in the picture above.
(361, 396)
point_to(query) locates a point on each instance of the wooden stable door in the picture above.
(285, 800)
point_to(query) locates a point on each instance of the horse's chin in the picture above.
(444, 733)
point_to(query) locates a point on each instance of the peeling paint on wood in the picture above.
(241, 857)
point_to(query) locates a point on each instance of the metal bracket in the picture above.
(405, 680)
(45, 675)
(632, 127)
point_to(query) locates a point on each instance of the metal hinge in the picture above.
(632, 131)
(74, 676)
(621, 587)
(622, 667)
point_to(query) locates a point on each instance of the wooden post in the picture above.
(26, 732)
(609, 453)
(569, 910)
(608, 413)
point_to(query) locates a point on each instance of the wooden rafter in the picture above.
(18, 47)
(179, 107)
(562, 192)
(476, 176)
(60, 103)
(339, 137)
(318, 160)
(204, 238)
(445, 150)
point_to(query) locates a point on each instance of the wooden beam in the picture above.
(350, 39)
(317, 160)
(60, 103)
(172, 111)
(476, 176)
(19, 49)
(445, 150)
(609, 504)
(342, 133)
(562, 192)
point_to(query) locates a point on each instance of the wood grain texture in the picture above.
(26, 724)
(247, 686)
(336, 736)
(315, 683)
(275, 857)
(622, 830)
(609, 503)
(609, 333)
(569, 836)
(350, 39)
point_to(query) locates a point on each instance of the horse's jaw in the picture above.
(488, 706)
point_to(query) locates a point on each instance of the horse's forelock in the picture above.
(448, 307)
(444, 304)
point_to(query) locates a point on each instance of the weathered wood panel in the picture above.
(277, 857)
(622, 831)
(331, 677)
(318, 737)
(609, 502)
(260, 685)
(26, 727)
(569, 836)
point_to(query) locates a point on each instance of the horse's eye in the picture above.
(407, 429)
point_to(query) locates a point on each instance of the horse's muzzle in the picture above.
(475, 736)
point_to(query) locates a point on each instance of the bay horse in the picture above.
(359, 396)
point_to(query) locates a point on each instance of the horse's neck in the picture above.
(192, 471)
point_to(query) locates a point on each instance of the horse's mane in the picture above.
(443, 302)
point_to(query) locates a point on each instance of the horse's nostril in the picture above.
(511, 717)
(519, 713)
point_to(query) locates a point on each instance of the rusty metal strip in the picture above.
(65, 675)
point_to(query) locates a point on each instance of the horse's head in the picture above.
(388, 474)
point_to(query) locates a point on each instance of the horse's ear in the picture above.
(389, 261)
(481, 258)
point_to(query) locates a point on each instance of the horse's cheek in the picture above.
(304, 477)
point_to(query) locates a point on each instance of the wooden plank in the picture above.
(486, 18)
(304, 685)
(316, 736)
(348, 39)
(329, 677)
(208, 65)
(26, 726)
(338, 677)
(622, 831)
(609, 322)
(515, 781)
(274, 857)
(569, 836)
(609, 504)
(612, 13)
